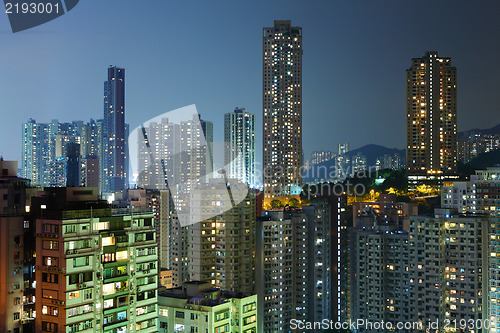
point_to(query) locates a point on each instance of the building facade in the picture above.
(485, 199)
(12, 216)
(448, 268)
(275, 274)
(297, 275)
(96, 267)
(379, 276)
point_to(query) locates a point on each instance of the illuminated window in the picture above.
(108, 289)
(122, 255)
(101, 226)
(74, 295)
(108, 241)
(108, 303)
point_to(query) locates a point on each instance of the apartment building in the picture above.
(96, 267)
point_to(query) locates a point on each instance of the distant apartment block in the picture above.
(472, 143)
(50, 157)
(388, 161)
(239, 138)
(320, 156)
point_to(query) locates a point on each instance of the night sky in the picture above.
(209, 53)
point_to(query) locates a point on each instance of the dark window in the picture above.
(51, 278)
(49, 327)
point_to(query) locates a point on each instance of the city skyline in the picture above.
(200, 239)
(329, 93)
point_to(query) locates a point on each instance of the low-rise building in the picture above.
(198, 307)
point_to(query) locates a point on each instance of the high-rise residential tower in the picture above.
(35, 152)
(282, 110)
(114, 160)
(431, 124)
(239, 136)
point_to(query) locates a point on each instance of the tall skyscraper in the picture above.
(239, 136)
(431, 124)
(114, 161)
(282, 110)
